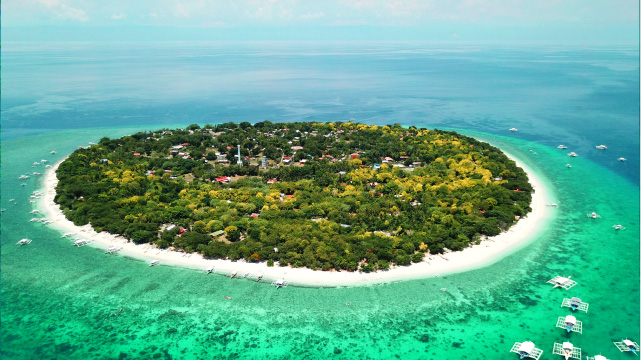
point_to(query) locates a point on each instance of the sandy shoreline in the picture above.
(486, 253)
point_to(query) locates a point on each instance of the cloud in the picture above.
(311, 15)
(63, 11)
(120, 16)
(181, 11)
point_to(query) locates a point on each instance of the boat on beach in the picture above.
(209, 270)
(154, 262)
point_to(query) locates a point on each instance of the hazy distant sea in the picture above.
(57, 300)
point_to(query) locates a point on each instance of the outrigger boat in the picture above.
(562, 147)
(280, 283)
(80, 242)
(514, 129)
(154, 262)
(24, 242)
(562, 282)
(622, 159)
(567, 350)
(232, 274)
(601, 147)
(570, 323)
(526, 349)
(627, 345)
(575, 304)
(594, 215)
(113, 250)
(209, 270)
(618, 227)
(596, 357)
(573, 154)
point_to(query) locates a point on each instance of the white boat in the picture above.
(594, 215)
(113, 250)
(23, 184)
(44, 161)
(622, 159)
(567, 350)
(210, 270)
(627, 345)
(562, 282)
(24, 242)
(34, 211)
(53, 152)
(553, 205)
(80, 242)
(154, 262)
(601, 147)
(280, 283)
(514, 129)
(23, 177)
(36, 173)
(232, 274)
(573, 154)
(526, 349)
(596, 357)
(67, 235)
(568, 165)
(259, 277)
(36, 163)
(562, 147)
(618, 227)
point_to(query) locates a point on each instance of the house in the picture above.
(176, 147)
(387, 159)
(222, 179)
(272, 181)
(296, 148)
(287, 160)
(136, 154)
(255, 215)
(217, 233)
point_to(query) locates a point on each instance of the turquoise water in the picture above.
(57, 300)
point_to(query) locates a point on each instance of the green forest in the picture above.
(342, 196)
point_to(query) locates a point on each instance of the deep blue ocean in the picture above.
(56, 300)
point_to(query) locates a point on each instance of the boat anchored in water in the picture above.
(618, 227)
(209, 270)
(596, 357)
(594, 215)
(24, 242)
(514, 129)
(568, 165)
(567, 350)
(232, 274)
(601, 147)
(80, 242)
(562, 282)
(573, 154)
(622, 159)
(575, 304)
(526, 349)
(154, 262)
(627, 345)
(280, 283)
(113, 250)
(562, 147)
(570, 323)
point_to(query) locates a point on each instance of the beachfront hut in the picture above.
(567, 350)
(570, 323)
(627, 345)
(526, 350)
(575, 304)
(562, 282)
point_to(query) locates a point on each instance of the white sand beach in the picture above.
(486, 253)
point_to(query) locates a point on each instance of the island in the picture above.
(323, 196)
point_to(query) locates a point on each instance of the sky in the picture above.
(546, 21)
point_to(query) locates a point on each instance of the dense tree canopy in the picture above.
(343, 196)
